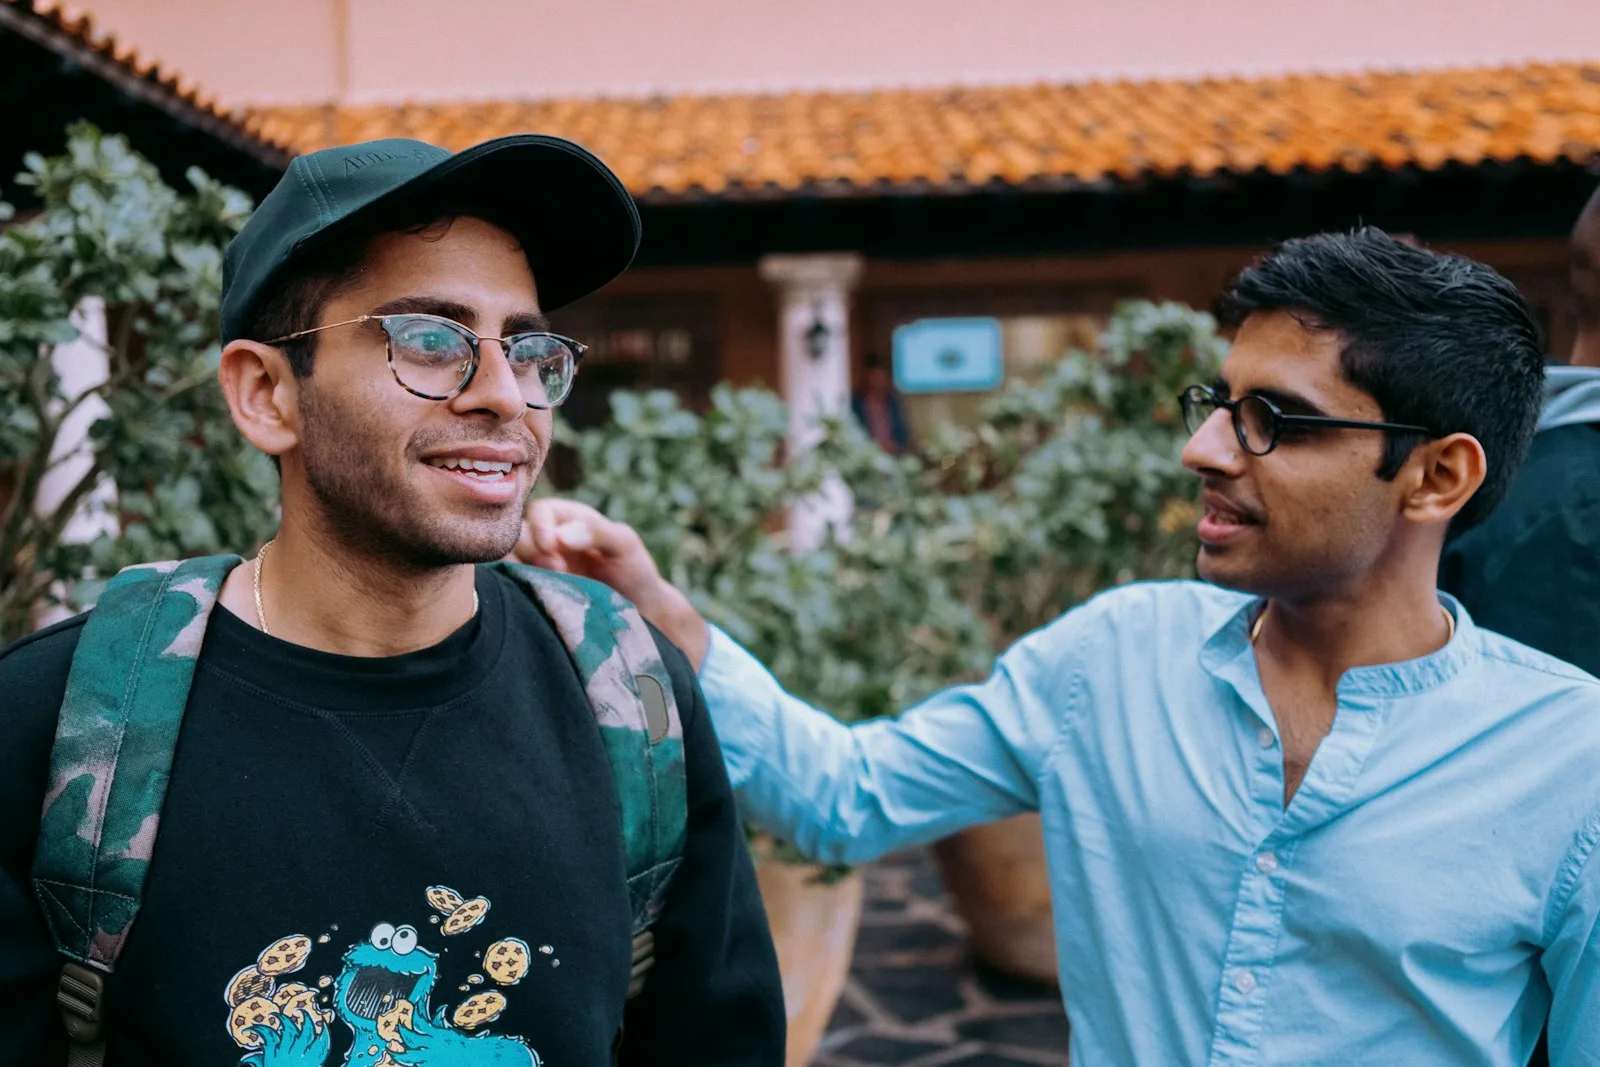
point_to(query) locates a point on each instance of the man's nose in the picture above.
(494, 387)
(1214, 448)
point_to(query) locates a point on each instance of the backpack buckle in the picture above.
(79, 995)
(644, 958)
(657, 721)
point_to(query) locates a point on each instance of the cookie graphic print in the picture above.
(383, 994)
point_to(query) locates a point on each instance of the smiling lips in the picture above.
(1222, 521)
(487, 470)
(1220, 509)
(1227, 516)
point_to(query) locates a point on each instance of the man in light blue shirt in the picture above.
(1307, 812)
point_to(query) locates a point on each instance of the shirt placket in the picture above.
(1258, 912)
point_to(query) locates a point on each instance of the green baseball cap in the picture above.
(577, 224)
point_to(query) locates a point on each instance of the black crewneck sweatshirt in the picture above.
(438, 828)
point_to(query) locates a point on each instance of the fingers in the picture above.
(579, 534)
(562, 527)
(545, 514)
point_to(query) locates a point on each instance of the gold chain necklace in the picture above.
(1449, 621)
(261, 614)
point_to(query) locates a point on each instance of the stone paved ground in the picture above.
(915, 996)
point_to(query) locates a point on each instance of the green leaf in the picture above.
(1067, 484)
(109, 228)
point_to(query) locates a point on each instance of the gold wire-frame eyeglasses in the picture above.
(548, 362)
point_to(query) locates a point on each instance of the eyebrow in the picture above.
(525, 322)
(515, 323)
(1290, 403)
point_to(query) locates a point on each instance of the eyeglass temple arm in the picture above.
(318, 329)
(1351, 424)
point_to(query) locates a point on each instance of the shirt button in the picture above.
(1266, 738)
(1267, 862)
(1245, 982)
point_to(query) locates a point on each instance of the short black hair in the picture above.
(1438, 340)
(294, 300)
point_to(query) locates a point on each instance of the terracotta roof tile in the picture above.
(960, 138)
(77, 25)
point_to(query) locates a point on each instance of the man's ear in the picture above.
(263, 395)
(1443, 475)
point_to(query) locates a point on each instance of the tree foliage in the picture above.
(110, 228)
(1065, 486)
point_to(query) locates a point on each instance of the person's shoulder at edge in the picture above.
(40, 660)
(1556, 479)
(33, 679)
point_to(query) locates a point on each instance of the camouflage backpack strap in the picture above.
(109, 768)
(631, 695)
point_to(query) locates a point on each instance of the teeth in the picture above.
(483, 466)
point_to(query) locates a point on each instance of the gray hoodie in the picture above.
(1531, 570)
(1571, 396)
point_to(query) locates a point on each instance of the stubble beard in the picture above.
(1239, 575)
(370, 513)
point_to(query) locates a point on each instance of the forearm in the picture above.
(751, 700)
(848, 794)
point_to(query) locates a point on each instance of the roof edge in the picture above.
(72, 37)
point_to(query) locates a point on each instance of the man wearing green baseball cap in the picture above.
(425, 809)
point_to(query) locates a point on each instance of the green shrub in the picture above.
(1065, 486)
(109, 228)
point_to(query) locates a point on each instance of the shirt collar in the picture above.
(1228, 655)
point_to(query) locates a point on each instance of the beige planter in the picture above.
(814, 928)
(997, 877)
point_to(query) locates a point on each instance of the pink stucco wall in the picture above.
(241, 51)
(289, 50)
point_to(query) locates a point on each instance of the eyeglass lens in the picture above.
(434, 359)
(1253, 418)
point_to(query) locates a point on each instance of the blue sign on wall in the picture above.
(948, 356)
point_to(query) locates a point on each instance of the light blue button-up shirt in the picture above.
(1428, 895)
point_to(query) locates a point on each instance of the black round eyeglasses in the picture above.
(1259, 424)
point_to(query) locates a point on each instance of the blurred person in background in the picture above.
(877, 406)
(1305, 811)
(1531, 570)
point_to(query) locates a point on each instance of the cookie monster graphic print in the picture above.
(383, 995)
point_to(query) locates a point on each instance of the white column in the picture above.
(81, 366)
(812, 290)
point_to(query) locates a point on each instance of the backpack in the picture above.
(124, 704)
